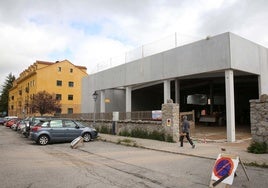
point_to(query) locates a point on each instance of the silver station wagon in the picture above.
(60, 130)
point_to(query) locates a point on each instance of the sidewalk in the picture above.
(204, 148)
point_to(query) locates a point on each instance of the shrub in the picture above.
(155, 135)
(124, 133)
(139, 133)
(257, 147)
(169, 138)
(104, 130)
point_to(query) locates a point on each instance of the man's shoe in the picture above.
(193, 146)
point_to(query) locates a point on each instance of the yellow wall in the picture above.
(43, 76)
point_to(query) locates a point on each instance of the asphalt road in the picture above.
(23, 164)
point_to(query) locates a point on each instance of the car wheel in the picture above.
(87, 137)
(43, 140)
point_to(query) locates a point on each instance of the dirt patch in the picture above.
(219, 133)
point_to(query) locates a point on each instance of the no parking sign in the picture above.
(224, 168)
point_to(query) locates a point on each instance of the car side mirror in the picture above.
(77, 127)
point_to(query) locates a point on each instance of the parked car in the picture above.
(60, 130)
(2, 121)
(30, 122)
(21, 126)
(10, 122)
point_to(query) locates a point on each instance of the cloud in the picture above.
(246, 18)
(87, 32)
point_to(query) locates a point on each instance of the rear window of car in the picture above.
(44, 124)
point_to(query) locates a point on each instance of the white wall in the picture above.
(219, 53)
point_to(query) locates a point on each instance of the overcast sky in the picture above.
(88, 31)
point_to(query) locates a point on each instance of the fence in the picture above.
(135, 116)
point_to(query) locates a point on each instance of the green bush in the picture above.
(155, 135)
(169, 138)
(104, 130)
(124, 133)
(139, 133)
(257, 147)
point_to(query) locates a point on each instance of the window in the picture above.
(59, 69)
(12, 97)
(58, 96)
(59, 83)
(12, 107)
(71, 70)
(70, 110)
(71, 84)
(55, 123)
(69, 123)
(45, 124)
(58, 111)
(70, 97)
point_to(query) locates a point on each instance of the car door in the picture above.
(56, 130)
(72, 129)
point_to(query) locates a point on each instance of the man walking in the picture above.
(185, 132)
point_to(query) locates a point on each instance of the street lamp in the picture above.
(95, 96)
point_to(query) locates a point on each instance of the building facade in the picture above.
(217, 75)
(61, 78)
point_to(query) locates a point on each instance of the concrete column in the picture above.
(177, 91)
(230, 108)
(259, 85)
(166, 90)
(128, 102)
(102, 101)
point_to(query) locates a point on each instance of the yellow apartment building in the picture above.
(61, 78)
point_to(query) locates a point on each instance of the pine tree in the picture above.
(4, 94)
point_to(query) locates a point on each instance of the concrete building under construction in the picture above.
(216, 77)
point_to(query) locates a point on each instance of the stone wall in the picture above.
(169, 125)
(171, 119)
(259, 119)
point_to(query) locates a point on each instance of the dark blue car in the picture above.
(61, 130)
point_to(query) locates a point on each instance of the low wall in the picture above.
(259, 119)
(168, 127)
(128, 126)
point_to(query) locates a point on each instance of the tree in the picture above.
(44, 102)
(4, 93)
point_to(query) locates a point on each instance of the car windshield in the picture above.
(80, 124)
